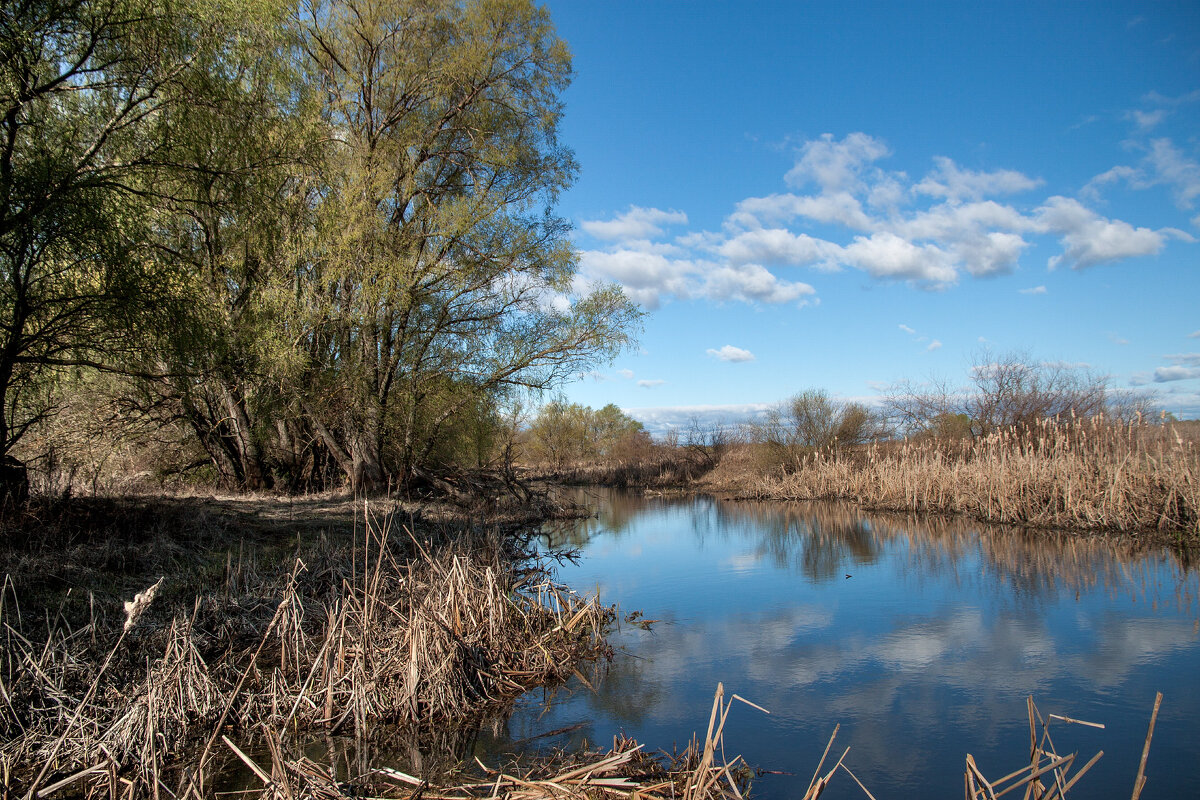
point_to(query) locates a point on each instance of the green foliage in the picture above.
(565, 433)
(320, 240)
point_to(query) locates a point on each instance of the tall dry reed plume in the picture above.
(390, 630)
(1080, 473)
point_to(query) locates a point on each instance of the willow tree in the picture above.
(441, 275)
(233, 202)
(80, 83)
(90, 100)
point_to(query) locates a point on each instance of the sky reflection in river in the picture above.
(921, 637)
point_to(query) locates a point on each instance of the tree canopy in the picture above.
(318, 239)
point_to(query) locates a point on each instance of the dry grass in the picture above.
(1081, 474)
(702, 771)
(386, 627)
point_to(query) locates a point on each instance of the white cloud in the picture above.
(880, 225)
(934, 345)
(1194, 335)
(840, 208)
(627, 374)
(1117, 339)
(1089, 239)
(1184, 359)
(1163, 164)
(1147, 120)
(660, 420)
(886, 255)
(1183, 99)
(948, 180)
(836, 166)
(645, 277)
(636, 223)
(1091, 189)
(1175, 169)
(753, 283)
(731, 353)
(650, 384)
(907, 329)
(775, 246)
(1167, 374)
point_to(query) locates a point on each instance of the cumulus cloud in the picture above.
(928, 232)
(650, 384)
(775, 246)
(886, 255)
(753, 283)
(645, 277)
(731, 354)
(627, 374)
(833, 165)
(1184, 359)
(955, 184)
(1089, 239)
(934, 345)
(636, 223)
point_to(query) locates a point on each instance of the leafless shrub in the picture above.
(812, 422)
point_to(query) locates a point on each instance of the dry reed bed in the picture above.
(701, 772)
(1082, 474)
(353, 637)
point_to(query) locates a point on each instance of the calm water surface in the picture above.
(921, 637)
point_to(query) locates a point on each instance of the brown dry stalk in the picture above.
(425, 634)
(1079, 474)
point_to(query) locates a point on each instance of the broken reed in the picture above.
(1079, 473)
(700, 772)
(354, 637)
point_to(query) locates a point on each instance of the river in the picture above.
(920, 636)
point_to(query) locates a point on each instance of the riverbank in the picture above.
(1081, 475)
(139, 633)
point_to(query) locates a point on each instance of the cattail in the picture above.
(141, 601)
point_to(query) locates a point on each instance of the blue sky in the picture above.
(843, 195)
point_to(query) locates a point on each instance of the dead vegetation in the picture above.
(388, 626)
(1049, 775)
(702, 771)
(1085, 474)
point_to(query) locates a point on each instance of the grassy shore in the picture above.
(239, 622)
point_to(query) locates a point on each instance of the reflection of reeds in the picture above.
(700, 772)
(1085, 474)
(354, 638)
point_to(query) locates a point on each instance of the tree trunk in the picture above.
(254, 470)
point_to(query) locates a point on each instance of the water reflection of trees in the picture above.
(823, 541)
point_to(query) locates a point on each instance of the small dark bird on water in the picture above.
(847, 576)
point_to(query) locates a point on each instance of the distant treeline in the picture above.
(282, 244)
(1024, 442)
